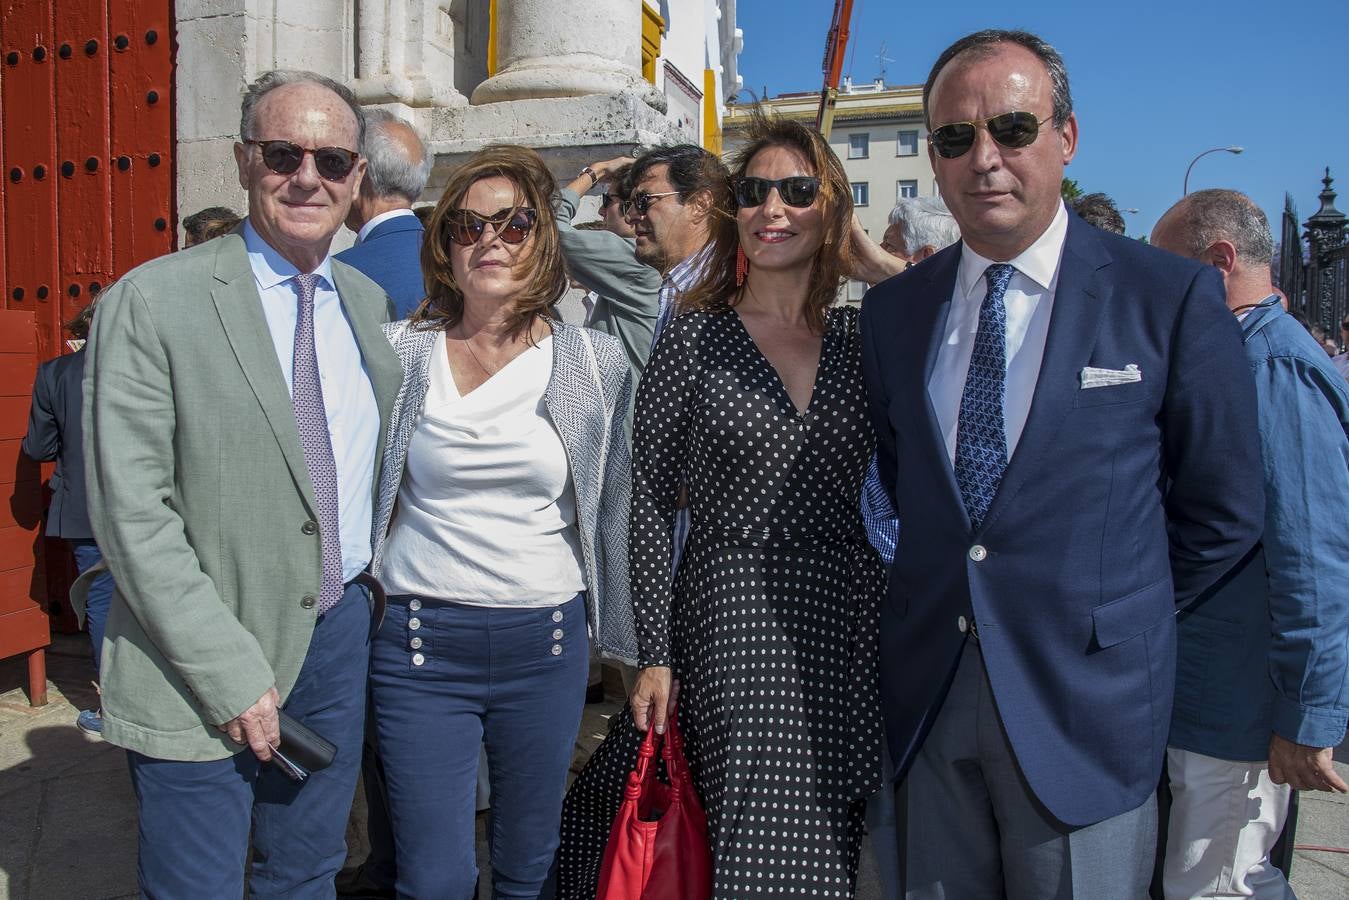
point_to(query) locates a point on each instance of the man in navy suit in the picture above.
(388, 233)
(1066, 425)
(388, 251)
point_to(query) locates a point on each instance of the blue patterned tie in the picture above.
(312, 418)
(981, 435)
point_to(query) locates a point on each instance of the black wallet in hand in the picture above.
(301, 750)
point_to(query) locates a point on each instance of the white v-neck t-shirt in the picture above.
(486, 512)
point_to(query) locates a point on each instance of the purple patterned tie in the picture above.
(312, 419)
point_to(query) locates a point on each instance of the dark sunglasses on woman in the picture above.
(284, 158)
(1012, 130)
(511, 225)
(798, 190)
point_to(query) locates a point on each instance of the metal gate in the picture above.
(86, 193)
(1316, 278)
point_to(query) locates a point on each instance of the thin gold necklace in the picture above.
(468, 343)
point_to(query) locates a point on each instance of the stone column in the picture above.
(547, 49)
(405, 54)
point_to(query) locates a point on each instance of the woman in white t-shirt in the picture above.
(500, 535)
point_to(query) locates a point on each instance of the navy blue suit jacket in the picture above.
(55, 433)
(1119, 504)
(391, 257)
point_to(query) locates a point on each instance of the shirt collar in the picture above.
(270, 268)
(380, 220)
(1039, 262)
(686, 273)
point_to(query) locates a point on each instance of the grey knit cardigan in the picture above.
(587, 399)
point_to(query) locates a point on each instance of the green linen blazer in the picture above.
(199, 495)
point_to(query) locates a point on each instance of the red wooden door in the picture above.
(86, 151)
(23, 619)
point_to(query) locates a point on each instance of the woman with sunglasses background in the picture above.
(500, 536)
(769, 628)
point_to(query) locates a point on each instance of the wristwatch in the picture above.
(594, 179)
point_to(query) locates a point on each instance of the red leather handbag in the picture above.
(658, 846)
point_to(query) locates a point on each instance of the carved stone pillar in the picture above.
(547, 49)
(405, 54)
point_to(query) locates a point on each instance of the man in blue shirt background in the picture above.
(1262, 683)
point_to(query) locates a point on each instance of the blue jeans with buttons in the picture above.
(448, 677)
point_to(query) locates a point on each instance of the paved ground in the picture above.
(67, 819)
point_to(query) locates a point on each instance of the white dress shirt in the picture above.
(348, 396)
(380, 220)
(1029, 301)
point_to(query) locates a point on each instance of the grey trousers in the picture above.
(969, 828)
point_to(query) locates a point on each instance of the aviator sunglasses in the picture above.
(284, 158)
(512, 226)
(798, 190)
(1013, 130)
(641, 203)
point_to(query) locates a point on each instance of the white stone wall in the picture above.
(568, 82)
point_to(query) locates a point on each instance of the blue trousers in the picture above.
(446, 678)
(87, 555)
(195, 816)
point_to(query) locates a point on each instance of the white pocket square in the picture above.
(1093, 377)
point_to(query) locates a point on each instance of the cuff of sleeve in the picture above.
(1309, 726)
(227, 702)
(660, 659)
(568, 200)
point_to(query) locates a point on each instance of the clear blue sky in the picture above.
(1154, 83)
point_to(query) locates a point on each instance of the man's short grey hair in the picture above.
(270, 81)
(389, 172)
(925, 222)
(985, 43)
(1224, 215)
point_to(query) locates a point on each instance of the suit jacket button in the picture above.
(963, 624)
(978, 553)
(308, 601)
(309, 528)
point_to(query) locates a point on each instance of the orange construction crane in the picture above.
(834, 46)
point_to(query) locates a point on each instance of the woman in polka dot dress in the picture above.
(755, 401)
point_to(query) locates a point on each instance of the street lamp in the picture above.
(1186, 188)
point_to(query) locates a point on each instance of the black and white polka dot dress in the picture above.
(771, 623)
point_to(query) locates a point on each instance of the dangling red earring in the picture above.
(741, 266)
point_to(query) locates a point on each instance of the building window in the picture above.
(906, 187)
(859, 146)
(907, 145)
(860, 193)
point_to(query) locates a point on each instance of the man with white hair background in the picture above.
(919, 227)
(388, 233)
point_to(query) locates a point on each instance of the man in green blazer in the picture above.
(237, 395)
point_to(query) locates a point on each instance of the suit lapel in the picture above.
(240, 310)
(941, 284)
(1080, 300)
(381, 363)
